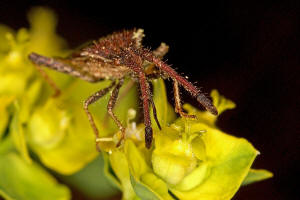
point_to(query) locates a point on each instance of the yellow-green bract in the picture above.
(192, 159)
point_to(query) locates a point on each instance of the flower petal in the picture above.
(229, 159)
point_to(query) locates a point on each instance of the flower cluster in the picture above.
(190, 159)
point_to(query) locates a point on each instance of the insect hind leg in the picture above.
(91, 100)
(37, 62)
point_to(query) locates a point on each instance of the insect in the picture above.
(115, 57)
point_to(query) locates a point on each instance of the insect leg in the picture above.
(110, 106)
(201, 98)
(146, 100)
(135, 63)
(91, 100)
(48, 80)
(178, 107)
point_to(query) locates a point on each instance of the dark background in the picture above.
(247, 50)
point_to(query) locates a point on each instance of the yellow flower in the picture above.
(21, 91)
(191, 159)
(51, 126)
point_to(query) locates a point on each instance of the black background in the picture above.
(248, 50)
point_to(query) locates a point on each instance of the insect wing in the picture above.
(77, 67)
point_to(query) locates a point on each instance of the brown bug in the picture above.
(115, 57)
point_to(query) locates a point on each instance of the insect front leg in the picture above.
(201, 98)
(178, 107)
(110, 106)
(91, 100)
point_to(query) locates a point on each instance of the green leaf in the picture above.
(165, 112)
(17, 132)
(156, 186)
(256, 175)
(20, 180)
(119, 165)
(108, 172)
(91, 181)
(5, 101)
(142, 191)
